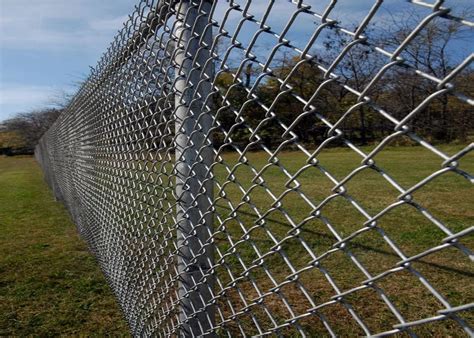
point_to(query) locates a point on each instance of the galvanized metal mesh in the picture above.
(203, 224)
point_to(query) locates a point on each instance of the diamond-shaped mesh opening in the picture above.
(338, 313)
(293, 215)
(411, 290)
(373, 252)
(382, 192)
(270, 186)
(342, 217)
(337, 162)
(438, 197)
(452, 282)
(315, 186)
(410, 230)
(372, 309)
(344, 273)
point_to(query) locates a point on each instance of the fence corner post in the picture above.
(194, 158)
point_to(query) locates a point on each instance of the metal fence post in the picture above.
(194, 157)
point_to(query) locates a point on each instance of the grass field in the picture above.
(52, 285)
(49, 283)
(449, 197)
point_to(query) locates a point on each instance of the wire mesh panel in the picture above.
(278, 167)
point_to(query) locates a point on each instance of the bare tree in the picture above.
(436, 51)
(31, 126)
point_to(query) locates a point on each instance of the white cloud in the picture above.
(59, 24)
(50, 27)
(16, 98)
(29, 95)
(108, 24)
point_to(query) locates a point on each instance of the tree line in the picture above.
(271, 109)
(20, 134)
(401, 89)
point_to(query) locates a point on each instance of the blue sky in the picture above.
(48, 45)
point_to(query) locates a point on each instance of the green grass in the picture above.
(449, 197)
(43, 255)
(49, 282)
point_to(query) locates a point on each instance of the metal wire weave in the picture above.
(193, 234)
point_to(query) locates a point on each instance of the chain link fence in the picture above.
(278, 167)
